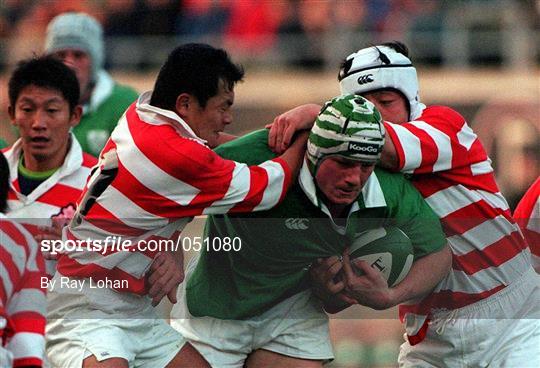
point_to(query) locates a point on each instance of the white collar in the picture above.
(158, 116)
(72, 162)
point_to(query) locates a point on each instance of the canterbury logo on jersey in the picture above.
(364, 79)
(297, 223)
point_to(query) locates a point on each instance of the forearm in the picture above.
(294, 155)
(389, 159)
(424, 275)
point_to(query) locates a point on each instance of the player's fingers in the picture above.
(334, 270)
(330, 261)
(172, 295)
(347, 267)
(272, 136)
(280, 128)
(335, 287)
(158, 260)
(368, 271)
(288, 134)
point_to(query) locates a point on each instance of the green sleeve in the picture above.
(251, 149)
(414, 216)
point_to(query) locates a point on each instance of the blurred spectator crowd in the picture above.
(306, 33)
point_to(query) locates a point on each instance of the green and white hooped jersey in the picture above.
(279, 245)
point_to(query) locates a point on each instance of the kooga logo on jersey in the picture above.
(363, 79)
(363, 148)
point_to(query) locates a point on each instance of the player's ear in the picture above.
(75, 117)
(11, 112)
(183, 103)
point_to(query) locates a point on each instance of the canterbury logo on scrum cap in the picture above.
(364, 79)
(363, 148)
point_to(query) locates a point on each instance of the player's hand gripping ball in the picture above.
(388, 250)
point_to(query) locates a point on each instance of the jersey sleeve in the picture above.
(26, 307)
(201, 181)
(439, 140)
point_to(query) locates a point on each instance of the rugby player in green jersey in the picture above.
(253, 306)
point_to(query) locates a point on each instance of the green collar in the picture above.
(36, 175)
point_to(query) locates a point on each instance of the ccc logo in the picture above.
(297, 223)
(363, 79)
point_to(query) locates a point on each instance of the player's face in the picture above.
(79, 61)
(211, 120)
(341, 179)
(391, 104)
(43, 119)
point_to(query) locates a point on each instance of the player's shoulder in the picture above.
(394, 185)
(251, 148)
(442, 114)
(125, 92)
(387, 177)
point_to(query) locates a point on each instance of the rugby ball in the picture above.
(387, 249)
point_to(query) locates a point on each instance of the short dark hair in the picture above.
(4, 182)
(46, 72)
(196, 69)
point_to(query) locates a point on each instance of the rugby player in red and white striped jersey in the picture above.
(22, 300)
(527, 215)
(155, 173)
(492, 282)
(48, 169)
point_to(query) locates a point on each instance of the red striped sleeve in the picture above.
(255, 193)
(397, 145)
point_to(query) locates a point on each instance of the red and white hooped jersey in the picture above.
(154, 175)
(23, 302)
(452, 171)
(55, 198)
(527, 215)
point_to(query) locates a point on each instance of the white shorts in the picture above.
(296, 327)
(500, 331)
(106, 324)
(6, 357)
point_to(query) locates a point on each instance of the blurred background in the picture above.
(481, 57)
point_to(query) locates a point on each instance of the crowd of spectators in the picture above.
(295, 30)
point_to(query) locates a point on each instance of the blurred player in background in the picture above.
(155, 173)
(480, 314)
(253, 307)
(527, 215)
(77, 40)
(48, 168)
(22, 301)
